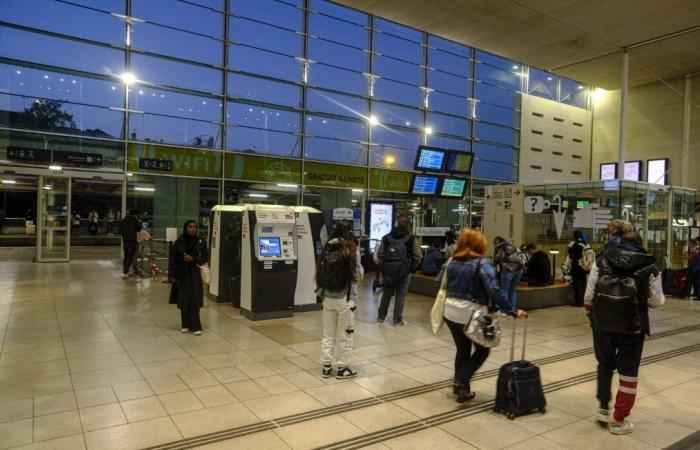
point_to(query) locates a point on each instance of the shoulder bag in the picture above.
(482, 328)
(438, 312)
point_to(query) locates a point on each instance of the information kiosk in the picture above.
(225, 249)
(268, 262)
(311, 236)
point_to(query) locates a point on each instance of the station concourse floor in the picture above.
(92, 361)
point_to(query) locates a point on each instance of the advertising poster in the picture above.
(381, 219)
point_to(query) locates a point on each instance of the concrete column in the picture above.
(685, 155)
(623, 116)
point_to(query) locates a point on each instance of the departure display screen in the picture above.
(430, 159)
(453, 187)
(269, 247)
(425, 184)
(460, 162)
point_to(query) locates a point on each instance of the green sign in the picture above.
(334, 175)
(262, 168)
(389, 180)
(179, 161)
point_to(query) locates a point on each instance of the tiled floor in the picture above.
(90, 360)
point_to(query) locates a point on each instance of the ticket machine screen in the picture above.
(269, 247)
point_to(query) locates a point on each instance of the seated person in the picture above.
(539, 269)
(432, 260)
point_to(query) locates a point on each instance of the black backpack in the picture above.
(616, 307)
(333, 270)
(396, 262)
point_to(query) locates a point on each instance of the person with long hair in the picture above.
(187, 286)
(336, 278)
(471, 283)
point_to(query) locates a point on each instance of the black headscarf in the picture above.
(189, 241)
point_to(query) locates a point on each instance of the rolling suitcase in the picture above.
(519, 386)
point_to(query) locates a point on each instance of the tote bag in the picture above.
(438, 311)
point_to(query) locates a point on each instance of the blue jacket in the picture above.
(461, 283)
(430, 261)
(614, 241)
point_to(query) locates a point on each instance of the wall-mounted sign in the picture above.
(334, 175)
(48, 156)
(156, 164)
(342, 214)
(633, 170)
(432, 231)
(608, 171)
(657, 171)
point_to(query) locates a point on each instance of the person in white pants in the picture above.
(337, 276)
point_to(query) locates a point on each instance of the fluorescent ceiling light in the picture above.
(129, 174)
(258, 195)
(287, 185)
(9, 182)
(144, 189)
(359, 191)
(48, 188)
(373, 120)
(428, 130)
(56, 168)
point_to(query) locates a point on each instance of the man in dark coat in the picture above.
(129, 226)
(539, 269)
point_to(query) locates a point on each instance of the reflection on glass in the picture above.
(542, 84)
(53, 242)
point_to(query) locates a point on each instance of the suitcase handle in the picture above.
(512, 342)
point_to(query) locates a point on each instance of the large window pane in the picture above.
(572, 92)
(499, 135)
(497, 77)
(387, 44)
(497, 96)
(496, 61)
(26, 46)
(263, 117)
(542, 84)
(331, 9)
(266, 142)
(494, 171)
(170, 73)
(338, 30)
(447, 62)
(348, 130)
(394, 91)
(496, 114)
(35, 83)
(179, 44)
(389, 114)
(171, 103)
(448, 103)
(258, 89)
(64, 18)
(174, 130)
(323, 149)
(273, 12)
(342, 80)
(398, 30)
(445, 82)
(397, 70)
(181, 15)
(61, 117)
(394, 137)
(337, 55)
(266, 37)
(342, 105)
(260, 62)
(506, 155)
(447, 124)
(392, 157)
(445, 45)
(117, 6)
(449, 143)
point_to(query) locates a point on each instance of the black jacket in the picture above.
(129, 226)
(187, 289)
(539, 269)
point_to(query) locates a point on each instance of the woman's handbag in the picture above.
(483, 329)
(204, 270)
(437, 313)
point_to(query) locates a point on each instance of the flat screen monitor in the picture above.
(430, 159)
(633, 170)
(608, 171)
(425, 184)
(269, 247)
(381, 219)
(580, 204)
(657, 171)
(453, 187)
(459, 162)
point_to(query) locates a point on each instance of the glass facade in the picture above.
(295, 79)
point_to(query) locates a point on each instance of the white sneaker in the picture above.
(197, 333)
(623, 427)
(603, 416)
(185, 330)
(125, 276)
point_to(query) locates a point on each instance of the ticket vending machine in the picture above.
(225, 224)
(311, 236)
(268, 262)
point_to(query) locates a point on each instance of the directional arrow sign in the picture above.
(559, 217)
(592, 216)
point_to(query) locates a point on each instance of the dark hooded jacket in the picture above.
(412, 247)
(187, 287)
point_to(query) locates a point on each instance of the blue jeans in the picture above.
(400, 290)
(509, 286)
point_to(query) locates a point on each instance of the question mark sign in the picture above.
(534, 201)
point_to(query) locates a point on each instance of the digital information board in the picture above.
(460, 162)
(424, 185)
(608, 171)
(430, 159)
(633, 170)
(657, 171)
(381, 219)
(453, 187)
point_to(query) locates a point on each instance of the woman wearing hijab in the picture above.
(187, 288)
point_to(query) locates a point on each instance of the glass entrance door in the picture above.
(53, 208)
